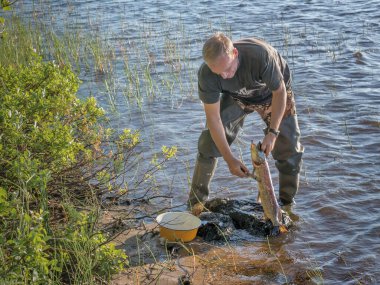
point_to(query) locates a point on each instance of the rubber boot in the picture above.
(288, 188)
(200, 186)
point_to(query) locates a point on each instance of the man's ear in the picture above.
(235, 52)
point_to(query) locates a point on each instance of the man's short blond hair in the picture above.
(215, 46)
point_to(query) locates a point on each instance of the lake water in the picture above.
(333, 50)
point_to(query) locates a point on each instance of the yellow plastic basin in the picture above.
(178, 226)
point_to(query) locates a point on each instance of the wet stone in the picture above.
(215, 226)
(226, 218)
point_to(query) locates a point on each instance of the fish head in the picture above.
(257, 155)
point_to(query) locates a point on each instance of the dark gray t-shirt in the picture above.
(260, 71)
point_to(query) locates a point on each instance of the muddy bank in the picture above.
(153, 261)
(215, 256)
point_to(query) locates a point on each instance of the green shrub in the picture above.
(43, 123)
(24, 246)
(50, 140)
(84, 254)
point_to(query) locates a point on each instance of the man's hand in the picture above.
(268, 143)
(237, 168)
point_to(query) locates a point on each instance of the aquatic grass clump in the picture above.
(152, 69)
(17, 43)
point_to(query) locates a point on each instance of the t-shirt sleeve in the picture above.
(271, 71)
(209, 89)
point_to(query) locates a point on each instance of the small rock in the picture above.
(215, 226)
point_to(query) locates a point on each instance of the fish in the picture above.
(266, 195)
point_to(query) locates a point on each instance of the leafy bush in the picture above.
(81, 253)
(50, 143)
(24, 245)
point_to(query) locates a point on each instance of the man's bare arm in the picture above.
(278, 106)
(215, 125)
(278, 110)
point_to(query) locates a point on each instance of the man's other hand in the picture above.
(238, 168)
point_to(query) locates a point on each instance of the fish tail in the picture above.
(283, 229)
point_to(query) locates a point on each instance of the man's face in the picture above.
(225, 65)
